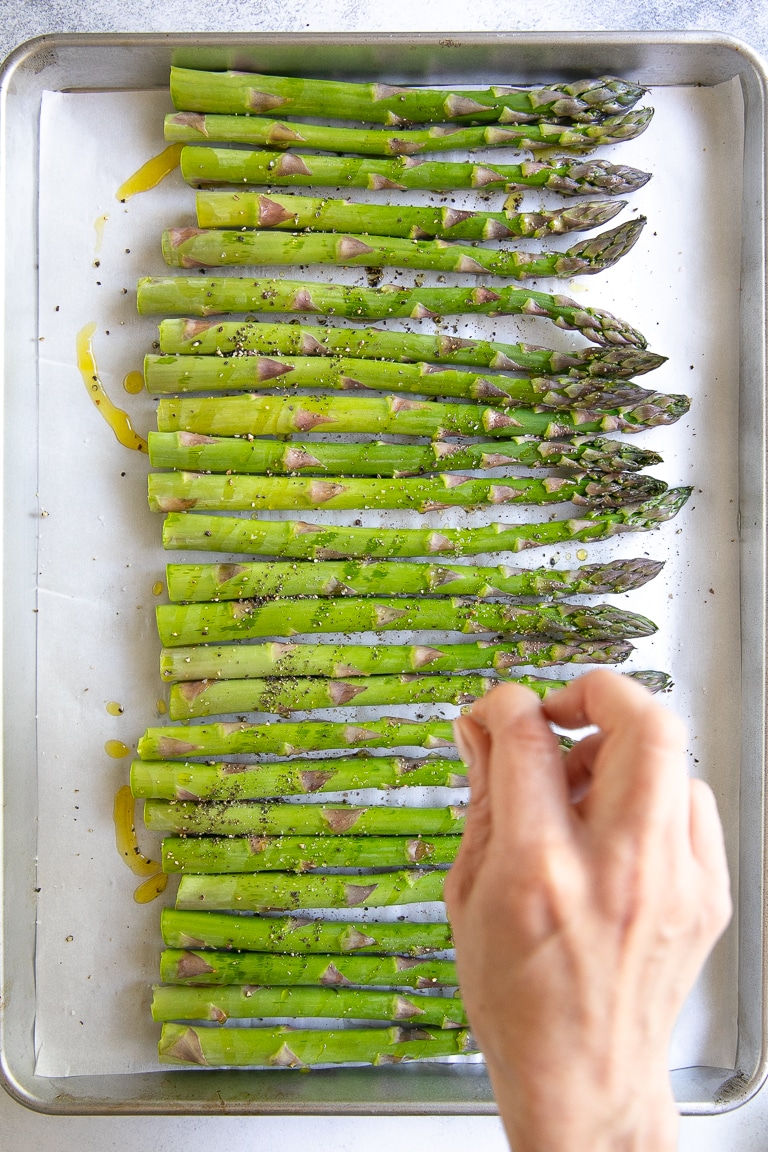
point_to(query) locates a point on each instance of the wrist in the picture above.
(544, 1113)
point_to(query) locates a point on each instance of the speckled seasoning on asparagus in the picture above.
(200, 582)
(251, 414)
(203, 453)
(286, 853)
(206, 296)
(213, 248)
(293, 935)
(301, 540)
(246, 1002)
(285, 891)
(182, 374)
(562, 174)
(233, 92)
(181, 491)
(214, 622)
(291, 213)
(260, 132)
(187, 336)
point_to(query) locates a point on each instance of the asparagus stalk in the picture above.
(244, 1002)
(299, 540)
(219, 854)
(284, 891)
(258, 131)
(250, 414)
(223, 209)
(286, 934)
(183, 624)
(180, 491)
(211, 337)
(190, 450)
(562, 174)
(233, 92)
(215, 248)
(284, 739)
(283, 695)
(200, 582)
(187, 295)
(164, 374)
(252, 661)
(286, 1048)
(250, 818)
(206, 968)
(169, 780)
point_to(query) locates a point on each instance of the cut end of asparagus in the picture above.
(653, 681)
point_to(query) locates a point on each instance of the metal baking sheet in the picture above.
(108, 63)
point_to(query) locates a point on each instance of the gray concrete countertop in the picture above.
(745, 1130)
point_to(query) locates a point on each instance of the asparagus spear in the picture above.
(201, 582)
(299, 540)
(283, 891)
(182, 624)
(250, 818)
(233, 92)
(284, 739)
(285, 853)
(250, 414)
(214, 248)
(283, 695)
(210, 337)
(223, 209)
(244, 1002)
(251, 661)
(562, 174)
(288, 1048)
(206, 968)
(235, 454)
(179, 491)
(164, 374)
(287, 934)
(169, 780)
(200, 296)
(183, 128)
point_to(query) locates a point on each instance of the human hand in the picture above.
(581, 923)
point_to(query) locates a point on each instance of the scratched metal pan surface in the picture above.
(105, 63)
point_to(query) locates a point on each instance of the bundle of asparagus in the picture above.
(238, 848)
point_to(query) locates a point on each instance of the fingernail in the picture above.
(463, 742)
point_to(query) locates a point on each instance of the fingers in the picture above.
(639, 779)
(473, 745)
(708, 848)
(527, 788)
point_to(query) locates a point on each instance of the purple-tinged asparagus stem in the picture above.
(199, 296)
(245, 1002)
(334, 578)
(297, 539)
(188, 336)
(294, 936)
(291, 1048)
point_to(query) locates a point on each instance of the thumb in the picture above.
(473, 744)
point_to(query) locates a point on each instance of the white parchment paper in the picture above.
(100, 554)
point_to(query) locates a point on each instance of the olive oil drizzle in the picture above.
(118, 420)
(155, 880)
(151, 173)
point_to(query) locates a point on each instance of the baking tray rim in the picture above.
(729, 1088)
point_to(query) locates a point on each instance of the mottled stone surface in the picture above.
(20, 21)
